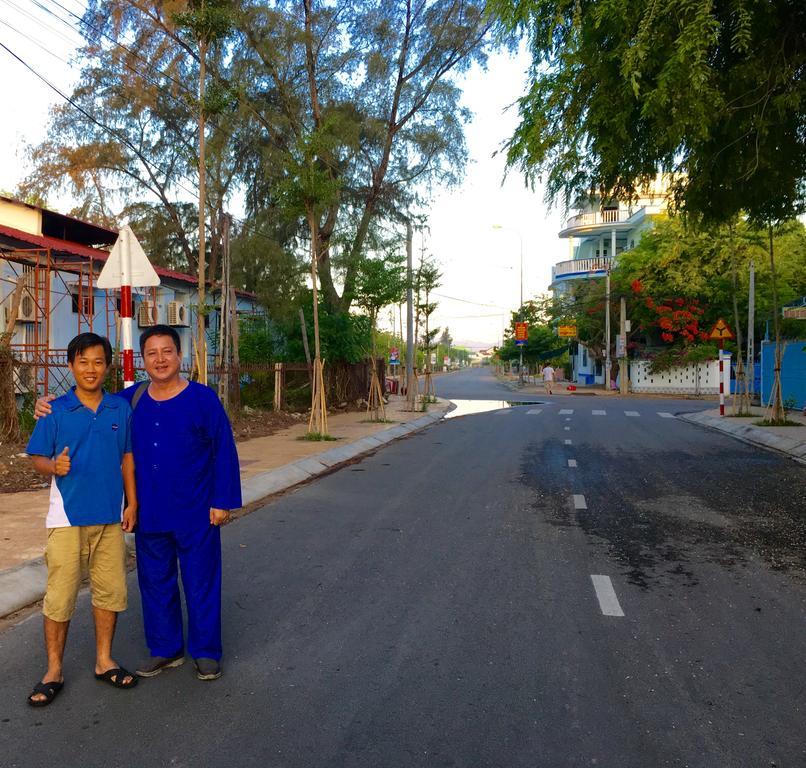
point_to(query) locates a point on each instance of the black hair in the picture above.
(84, 341)
(159, 330)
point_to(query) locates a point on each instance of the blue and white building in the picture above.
(58, 259)
(597, 232)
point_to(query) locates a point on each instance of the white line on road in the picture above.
(534, 411)
(579, 501)
(600, 413)
(572, 462)
(631, 413)
(608, 601)
(566, 411)
(665, 415)
(567, 429)
(568, 418)
(568, 442)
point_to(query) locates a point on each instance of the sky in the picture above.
(476, 233)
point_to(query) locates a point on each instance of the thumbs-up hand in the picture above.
(61, 466)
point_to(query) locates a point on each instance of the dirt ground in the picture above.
(16, 473)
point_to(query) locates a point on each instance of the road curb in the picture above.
(762, 438)
(24, 584)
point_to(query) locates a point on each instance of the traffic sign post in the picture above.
(720, 332)
(521, 337)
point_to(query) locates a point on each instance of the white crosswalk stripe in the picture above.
(631, 413)
(665, 415)
(572, 462)
(567, 442)
(534, 411)
(566, 411)
(599, 413)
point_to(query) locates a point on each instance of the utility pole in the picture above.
(607, 332)
(201, 336)
(520, 313)
(751, 319)
(622, 362)
(411, 395)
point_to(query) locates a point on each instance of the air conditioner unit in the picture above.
(177, 313)
(26, 313)
(147, 314)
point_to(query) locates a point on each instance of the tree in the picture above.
(710, 90)
(354, 114)
(379, 283)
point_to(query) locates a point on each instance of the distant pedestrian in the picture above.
(548, 378)
(188, 480)
(85, 447)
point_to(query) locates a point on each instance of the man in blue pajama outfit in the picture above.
(188, 478)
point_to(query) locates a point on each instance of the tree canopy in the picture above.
(711, 91)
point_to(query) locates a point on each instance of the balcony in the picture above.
(579, 268)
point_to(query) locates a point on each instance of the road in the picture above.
(581, 581)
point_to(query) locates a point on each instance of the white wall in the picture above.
(702, 379)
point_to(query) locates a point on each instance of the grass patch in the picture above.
(317, 437)
(779, 423)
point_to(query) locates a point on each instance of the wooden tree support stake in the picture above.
(317, 425)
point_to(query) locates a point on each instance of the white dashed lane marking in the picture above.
(579, 501)
(608, 601)
(665, 415)
(567, 429)
(572, 462)
(599, 413)
(534, 411)
(568, 442)
(566, 411)
(631, 413)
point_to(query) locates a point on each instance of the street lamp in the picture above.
(520, 306)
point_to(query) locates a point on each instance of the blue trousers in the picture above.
(198, 553)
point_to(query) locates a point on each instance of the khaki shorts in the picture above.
(71, 552)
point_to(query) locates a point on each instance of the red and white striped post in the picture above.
(721, 380)
(127, 342)
(126, 267)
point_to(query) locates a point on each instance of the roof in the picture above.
(68, 227)
(83, 235)
(25, 240)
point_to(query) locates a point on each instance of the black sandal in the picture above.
(116, 677)
(49, 690)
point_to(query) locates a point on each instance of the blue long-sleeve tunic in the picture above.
(185, 459)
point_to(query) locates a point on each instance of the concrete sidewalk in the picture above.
(269, 465)
(790, 441)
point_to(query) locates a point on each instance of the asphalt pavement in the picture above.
(579, 581)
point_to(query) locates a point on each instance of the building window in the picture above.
(87, 302)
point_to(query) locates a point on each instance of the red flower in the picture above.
(703, 335)
(665, 323)
(636, 286)
(664, 310)
(667, 337)
(649, 303)
(679, 302)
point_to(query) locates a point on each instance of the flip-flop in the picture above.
(49, 690)
(116, 677)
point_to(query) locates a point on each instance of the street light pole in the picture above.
(520, 305)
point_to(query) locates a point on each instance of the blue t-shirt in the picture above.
(92, 492)
(185, 459)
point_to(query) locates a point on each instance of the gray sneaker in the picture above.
(153, 665)
(207, 669)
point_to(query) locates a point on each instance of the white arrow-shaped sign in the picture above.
(127, 264)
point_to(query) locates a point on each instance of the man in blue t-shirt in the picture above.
(188, 478)
(85, 447)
